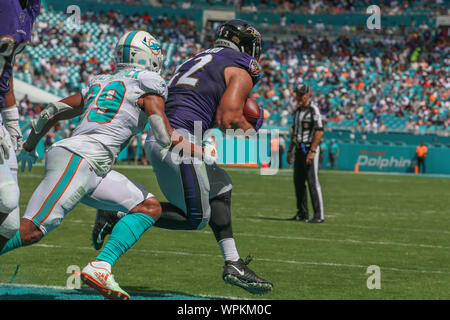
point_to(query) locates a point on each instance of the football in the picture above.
(252, 111)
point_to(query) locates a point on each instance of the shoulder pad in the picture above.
(152, 82)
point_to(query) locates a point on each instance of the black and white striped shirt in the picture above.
(306, 121)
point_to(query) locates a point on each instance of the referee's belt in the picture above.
(302, 146)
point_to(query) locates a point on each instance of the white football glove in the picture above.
(27, 158)
(4, 146)
(10, 117)
(210, 155)
(16, 135)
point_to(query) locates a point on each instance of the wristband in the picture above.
(10, 113)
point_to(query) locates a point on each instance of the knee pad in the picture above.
(225, 197)
(10, 224)
(220, 222)
(9, 197)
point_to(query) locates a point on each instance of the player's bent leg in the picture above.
(9, 200)
(97, 274)
(9, 196)
(9, 225)
(67, 178)
(172, 218)
(183, 182)
(114, 196)
(116, 192)
(27, 234)
(235, 270)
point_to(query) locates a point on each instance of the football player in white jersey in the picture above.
(114, 107)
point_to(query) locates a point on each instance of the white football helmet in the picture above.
(139, 48)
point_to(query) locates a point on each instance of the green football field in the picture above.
(396, 222)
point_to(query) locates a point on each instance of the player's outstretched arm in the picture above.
(65, 109)
(167, 137)
(230, 111)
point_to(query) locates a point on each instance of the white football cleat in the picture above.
(103, 281)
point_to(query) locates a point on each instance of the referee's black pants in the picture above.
(309, 173)
(421, 163)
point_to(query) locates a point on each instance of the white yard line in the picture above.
(350, 241)
(372, 242)
(317, 263)
(262, 219)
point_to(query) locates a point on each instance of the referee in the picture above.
(306, 134)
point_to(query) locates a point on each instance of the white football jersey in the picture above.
(111, 115)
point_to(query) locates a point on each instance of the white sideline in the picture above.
(289, 171)
(38, 286)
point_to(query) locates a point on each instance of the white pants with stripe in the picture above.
(69, 180)
(309, 173)
(9, 192)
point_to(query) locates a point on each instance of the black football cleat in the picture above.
(104, 223)
(239, 274)
(316, 220)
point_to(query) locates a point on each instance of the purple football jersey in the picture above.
(197, 87)
(16, 24)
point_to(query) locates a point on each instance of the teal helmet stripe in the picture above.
(126, 46)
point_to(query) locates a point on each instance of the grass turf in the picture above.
(399, 223)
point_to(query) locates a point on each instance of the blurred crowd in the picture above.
(362, 79)
(356, 81)
(389, 7)
(53, 71)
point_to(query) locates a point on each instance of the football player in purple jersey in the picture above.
(207, 90)
(16, 23)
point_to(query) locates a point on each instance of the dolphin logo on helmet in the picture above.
(138, 49)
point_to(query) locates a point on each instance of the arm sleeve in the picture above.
(151, 82)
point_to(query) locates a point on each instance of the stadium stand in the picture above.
(363, 82)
